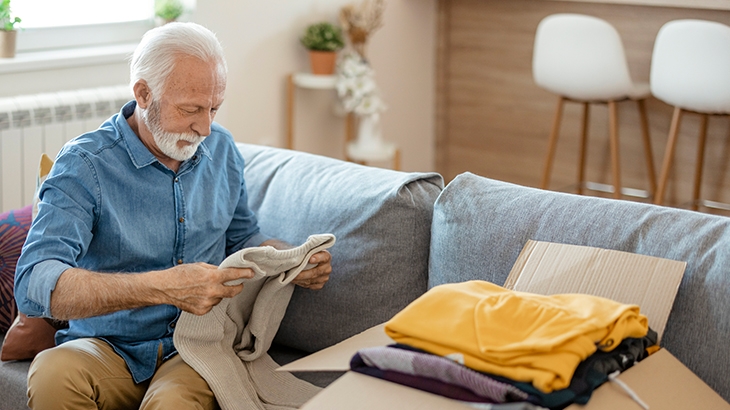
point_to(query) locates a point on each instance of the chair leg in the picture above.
(668, 156)
(647, 146)
(615, 162)
(583, 148)
(552, 142)
(699, 163)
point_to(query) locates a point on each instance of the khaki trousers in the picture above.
(89, 374)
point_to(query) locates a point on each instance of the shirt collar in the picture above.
(138, 152)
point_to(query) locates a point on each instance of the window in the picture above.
(54, 24)
(55, 13)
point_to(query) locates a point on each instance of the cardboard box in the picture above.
(661, 380)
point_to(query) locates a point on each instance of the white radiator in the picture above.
(31, 125)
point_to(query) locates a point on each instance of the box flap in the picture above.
(662, 382)
(355, 391)
(550, 268)
(337, 357)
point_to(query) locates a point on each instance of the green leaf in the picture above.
(323, 36)
(6, 22)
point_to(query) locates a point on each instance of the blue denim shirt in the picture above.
(109, 205)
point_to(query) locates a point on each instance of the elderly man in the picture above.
(132, 223)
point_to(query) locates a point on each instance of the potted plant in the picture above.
(168, 10)
(8, 32)
(323, 40)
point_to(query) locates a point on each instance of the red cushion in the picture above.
(14, 227)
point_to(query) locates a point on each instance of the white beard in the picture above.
(166, 141)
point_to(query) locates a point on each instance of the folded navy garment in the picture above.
(591, 373)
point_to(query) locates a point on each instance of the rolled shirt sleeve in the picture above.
(59, 235)
(38, 288)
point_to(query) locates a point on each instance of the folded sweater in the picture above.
(228, 345)
(522, 336)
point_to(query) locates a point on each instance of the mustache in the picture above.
(189, 137)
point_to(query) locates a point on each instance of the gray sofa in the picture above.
(400, 233)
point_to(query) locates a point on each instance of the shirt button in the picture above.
(172, 325)
(177, 179)
(179, 261)
(181, 219)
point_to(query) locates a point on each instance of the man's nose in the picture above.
(203, 123)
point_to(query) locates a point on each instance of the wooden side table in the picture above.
(314, 82)
(326, 82)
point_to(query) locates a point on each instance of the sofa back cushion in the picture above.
(480, 226)
(382, 221)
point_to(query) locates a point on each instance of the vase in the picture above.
(369, 144)
(369, 133)
(8, 39)
(322, 62)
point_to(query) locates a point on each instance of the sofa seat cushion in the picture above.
(382, 221)
(13, 383)
(480, 226)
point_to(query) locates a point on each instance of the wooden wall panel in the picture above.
(493, 120)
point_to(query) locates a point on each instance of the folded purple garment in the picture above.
(440, 375)
(421, 383)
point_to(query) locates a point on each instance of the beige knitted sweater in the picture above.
(228, 345)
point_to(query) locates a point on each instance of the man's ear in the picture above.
(142, 94)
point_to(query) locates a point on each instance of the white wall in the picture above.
(261, 42)
(262, 48)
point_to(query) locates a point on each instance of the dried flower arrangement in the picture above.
(361, 21)
(355, 78)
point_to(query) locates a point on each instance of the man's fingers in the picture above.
(320, 257)
(314, 278)
(313, 275)
(230, 274)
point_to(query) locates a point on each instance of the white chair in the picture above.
(581, 59)
(690, 69)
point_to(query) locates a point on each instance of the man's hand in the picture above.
(198, 287)
(316, 277)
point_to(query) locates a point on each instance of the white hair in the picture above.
(155, 56)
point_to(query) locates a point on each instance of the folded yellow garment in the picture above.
(523, 336)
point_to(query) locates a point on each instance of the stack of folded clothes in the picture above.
(482, 344)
